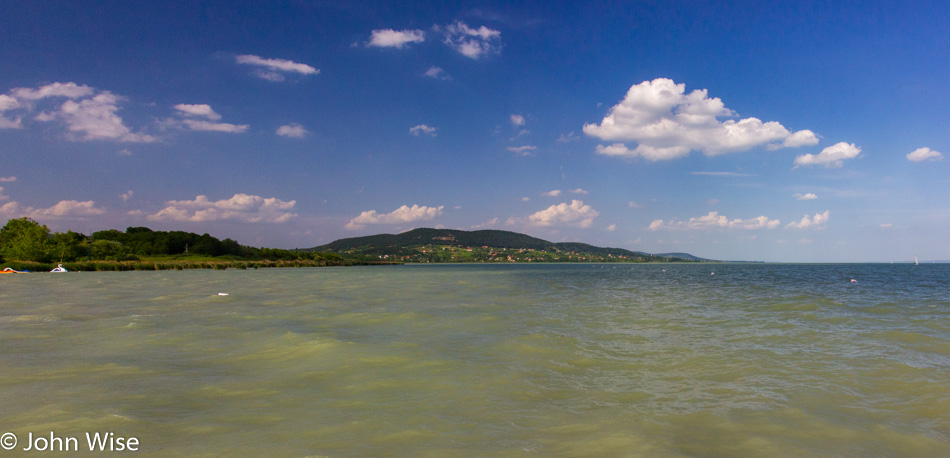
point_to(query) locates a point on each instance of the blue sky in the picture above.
(774, 131)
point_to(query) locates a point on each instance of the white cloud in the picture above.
(573, 214)
(389, 38)
(3, 197)
(202, 110)
(197, 110)
(437, 73)
(813, 222)
(7, 179)
(423, 129)
(292, 130)
(125, 196)
(7, 123)
(924, 154)
(403, 214)
(713, 220)
(194, 124)
(885, 225)
(611, 228)
(472, 43)
(832, 156)
(722, 174)
(69, 90)
(633, 204)
(276, 65)
(578, 191)
(96, 119)
(808, 196)
(241, 207)
(517, 120)
(526, 199)
(526, 150)
(553, 193)
(490, 223)
(87, 118)
(666, 123)
(568, 137)
(8, 103)
(125, 152)
(65, 209)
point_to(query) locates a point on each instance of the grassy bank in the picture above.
(180, 264)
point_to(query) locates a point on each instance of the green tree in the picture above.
(23, 239)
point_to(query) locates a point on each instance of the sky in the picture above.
(768, 131)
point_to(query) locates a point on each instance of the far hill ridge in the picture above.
(451, 245)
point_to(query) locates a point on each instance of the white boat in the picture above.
(59, 268)
(916, 262)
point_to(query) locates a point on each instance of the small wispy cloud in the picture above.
(526, 150)
(552, 193)
(292, 130)
(389, 38)
(808, 196)
(274, 69)
(722, 174)
(831, 157)
(423, 129)
(924, 154)
(437, 73)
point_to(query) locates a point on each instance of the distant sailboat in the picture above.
(916, 262)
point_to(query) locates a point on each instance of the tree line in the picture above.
(24, 239)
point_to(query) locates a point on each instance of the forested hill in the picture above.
(449, 245)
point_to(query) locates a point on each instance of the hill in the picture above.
(450, 245)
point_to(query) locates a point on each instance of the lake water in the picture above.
(472, 360)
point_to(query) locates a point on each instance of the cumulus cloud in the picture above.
(7, 179)
(517, 120)
(713, 220)
(572, 214)
(86, 114)
(270, 68)
(611, 228)
(69, 90)
(472, 43)
(667, 123)
(241, 207)
(808, 196)
(9, 103)
(125, 196)
(810, 222)
(831, 157)
(96, 119)
(65, 209)
(403, 214)
(526, 150)
(422, 129)
(924, 154)
(292, 130)
(203, 110)
(437, 73)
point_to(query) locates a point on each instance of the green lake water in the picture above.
(472, 360)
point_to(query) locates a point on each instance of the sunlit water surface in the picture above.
(471, 360)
